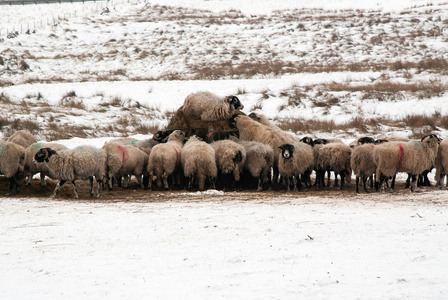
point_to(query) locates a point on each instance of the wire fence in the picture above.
(21, 2)
(17, 18)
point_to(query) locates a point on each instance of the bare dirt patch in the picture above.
(135, 194)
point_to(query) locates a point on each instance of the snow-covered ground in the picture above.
(216, 245)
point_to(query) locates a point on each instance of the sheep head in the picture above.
(287, 150)
(44, 154)
(177, 135)
(235, 102)
(308, 140)
(161, 135)
(366, 140)
(320, 141)
(431, 140)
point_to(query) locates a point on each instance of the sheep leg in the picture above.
(139, 181)
(342, 180)
(297, 183)
(212, 182)
(371, 181)
(98, 187)
(392, 185)
(190, 182)
(414, 182)
(58, 187)
(260, 183)
(74, 190)
(357, 184)
(364, 179)
(91, 186)
(408, 181)
(109, 179)
(328, 179)
(12, 181)
(165, 180)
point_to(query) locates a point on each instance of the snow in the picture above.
(216, 245)
(204, 247)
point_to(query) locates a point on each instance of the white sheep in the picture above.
(441, 164)
(32, 167)
(82, 162)
(411, 157)
(230, 158)
(23, 138)
(259, 163)
(124, 160)
(207, 106)
(334, 157)
(262, 119)
(250, 130)
(199, 163)
(165, 158)
(295, 160)
(12, 157)
(363, 164)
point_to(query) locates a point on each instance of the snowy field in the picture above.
(233, 246)
(215, 245)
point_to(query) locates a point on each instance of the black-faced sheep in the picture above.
(207, 106)
(23, 138)
(12, 158)
(199, 163)
(82, 162)
(32, 167)
(295, 161)
(412, 157)
(230, 158)
(164, 159)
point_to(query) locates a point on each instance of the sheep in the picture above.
(258, 164)
(262, 119)
(12, 158)
(335, 157)
(363, 164)
(202, 129)
(23, 138)
(230, 158)
(124, 160)
(295, 160)
(31, 167)
(250, 130)
(82, 162)
(164, 159)
(198, 162)
(207, 106)
(441, 164)
(412, 157)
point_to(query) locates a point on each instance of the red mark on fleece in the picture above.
(124, 153)
(400, 161)
(177, 153)
(189, 99)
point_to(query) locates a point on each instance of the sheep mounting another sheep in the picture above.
(204, 113)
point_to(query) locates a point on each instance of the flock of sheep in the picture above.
(253, 153)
